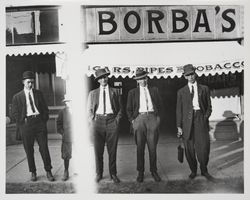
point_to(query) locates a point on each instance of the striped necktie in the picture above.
(104, 101)
(32, 104)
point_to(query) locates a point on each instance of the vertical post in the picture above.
(75, 88)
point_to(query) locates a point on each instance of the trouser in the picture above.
(35, 129)
(146, 130)
(105, 131)
(198, 144)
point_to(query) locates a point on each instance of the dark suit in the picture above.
(195, 125)
(146, 126)
(29, 129)
(104, 128)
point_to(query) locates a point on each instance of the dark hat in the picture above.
(101, 73)
(28, 75)
(140, 74)
(188, 69)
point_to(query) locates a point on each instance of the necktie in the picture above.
(146, 97)
(31, 103)
(104, 101)
(192, 92)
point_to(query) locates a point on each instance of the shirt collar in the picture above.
(192, 84)
(106, 87)
(143, 87)
(27, 91)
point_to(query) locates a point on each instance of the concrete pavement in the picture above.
(226, 161)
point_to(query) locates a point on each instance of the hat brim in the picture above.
(64, 100)
(31, 77)
(101, 76)
(140, 77)
(188, 73)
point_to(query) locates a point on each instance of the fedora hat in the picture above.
(101, 73)
(66, 98)
(188, 69)
(140, 74)
(28, 75)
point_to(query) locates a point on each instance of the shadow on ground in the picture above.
(19, 188)
(232, 185)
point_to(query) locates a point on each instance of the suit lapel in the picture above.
(97, 97)
(188, 94)
(35, 98)
(23, 101)
(199, 93)
(137, 96)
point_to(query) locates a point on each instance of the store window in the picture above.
(32, 25)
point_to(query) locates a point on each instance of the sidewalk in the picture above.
(226, 162)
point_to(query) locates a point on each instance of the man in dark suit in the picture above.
(192, 113)
(31, 115)
(143, 108)
(104, 113)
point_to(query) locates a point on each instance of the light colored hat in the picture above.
(101, 73)
(140, 74)
(66, 98)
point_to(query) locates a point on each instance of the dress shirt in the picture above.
(195, 99)
(143, 103)
(29, 111)
(108, 103)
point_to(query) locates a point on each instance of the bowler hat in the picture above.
(140, 74)
(28, 75)
(100, 73)
(188, 69)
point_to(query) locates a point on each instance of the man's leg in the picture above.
(99, 131)
(42, 140)
(28, 143)
(202, 142)
(112, 140)
(140, 138)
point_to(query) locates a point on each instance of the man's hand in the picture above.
(179, 132)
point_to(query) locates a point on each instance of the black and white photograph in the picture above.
(124, 98)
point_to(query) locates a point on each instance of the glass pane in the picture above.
(8, 29)
(23, 27)
(59, 90)
(48, 29)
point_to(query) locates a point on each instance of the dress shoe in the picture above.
(115, 179)
(65, 175)
(208, 177)
(50, 176)
(156, 177)
(192, 175)
(140, 177)
(33, 176)
(98, 178)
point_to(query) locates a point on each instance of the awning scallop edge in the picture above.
(165, 71)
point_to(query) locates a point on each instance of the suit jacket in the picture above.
(64, 125)
(115, 100)
(184, 107)
(19, 109)
(133, 103)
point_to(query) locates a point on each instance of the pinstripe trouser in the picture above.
(105, 131)
(146, 129)
(198, 144)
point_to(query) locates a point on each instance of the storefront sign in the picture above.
(163, 23)
(170, 70)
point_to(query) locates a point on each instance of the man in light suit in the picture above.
(30, 112)
(192, 113)
(143, 110)
(104, 113)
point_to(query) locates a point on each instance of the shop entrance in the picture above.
(220, 86)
